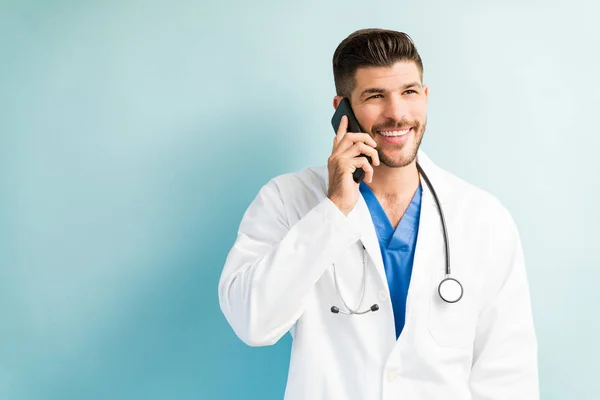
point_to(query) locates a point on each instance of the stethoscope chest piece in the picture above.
(450, 290)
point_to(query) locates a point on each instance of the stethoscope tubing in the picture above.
(447, 277)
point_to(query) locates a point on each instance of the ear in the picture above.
(426, 91)
(336, 101)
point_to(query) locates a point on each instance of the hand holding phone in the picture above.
(351, 151)
(344, 108)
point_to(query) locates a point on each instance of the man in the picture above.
(314, 246)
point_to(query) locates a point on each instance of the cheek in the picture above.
(368, 117)
(418, 110)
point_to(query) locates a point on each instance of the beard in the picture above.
(400, 155)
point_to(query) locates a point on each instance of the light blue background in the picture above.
(133, 135)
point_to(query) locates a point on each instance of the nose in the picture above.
(395, 108)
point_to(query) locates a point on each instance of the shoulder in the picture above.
(293, 194)
(308, 183)
(482, 226)
(479, 206)
(309, 178)
(480, 198)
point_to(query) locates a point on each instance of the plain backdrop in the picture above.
(134, 134)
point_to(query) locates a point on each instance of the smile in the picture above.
(394, 133)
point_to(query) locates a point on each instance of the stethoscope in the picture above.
(450, 290)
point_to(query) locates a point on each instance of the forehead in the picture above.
(400, 73)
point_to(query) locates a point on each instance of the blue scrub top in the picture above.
(397, 248)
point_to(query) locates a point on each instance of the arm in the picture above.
(505, 349)
(273, 267)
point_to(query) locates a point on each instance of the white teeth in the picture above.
(395, 133)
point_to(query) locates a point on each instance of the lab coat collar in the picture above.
(437, 177)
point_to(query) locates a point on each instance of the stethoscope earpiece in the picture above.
(336, 310)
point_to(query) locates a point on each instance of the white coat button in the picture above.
(383, 296)
(391, 375)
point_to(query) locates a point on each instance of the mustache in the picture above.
(397, 125)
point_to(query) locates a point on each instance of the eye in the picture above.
(374, 96)
(410, 91)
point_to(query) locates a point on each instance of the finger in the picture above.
(349, 139)
(362, 162)
(341, 131)
(353, 137)
(361, 149)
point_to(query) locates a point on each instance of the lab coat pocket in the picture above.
(452, 324)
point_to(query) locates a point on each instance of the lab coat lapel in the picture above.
(360, 216)
(429, 251)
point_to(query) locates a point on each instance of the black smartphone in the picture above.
(344, 108)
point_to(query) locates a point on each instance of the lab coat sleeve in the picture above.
(505, 349)
(272, 267)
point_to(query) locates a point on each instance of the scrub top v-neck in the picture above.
(397, 248)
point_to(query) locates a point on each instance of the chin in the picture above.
(400, 160)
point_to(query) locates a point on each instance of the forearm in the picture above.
(265, 283)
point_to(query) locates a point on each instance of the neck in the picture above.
(397, 183)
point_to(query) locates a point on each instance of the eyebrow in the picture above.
(379, 90)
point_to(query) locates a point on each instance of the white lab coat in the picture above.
(278, 277)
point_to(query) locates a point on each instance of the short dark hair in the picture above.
(370, 48)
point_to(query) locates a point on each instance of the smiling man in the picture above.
(410, 284)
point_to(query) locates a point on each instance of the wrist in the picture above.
(340, 205)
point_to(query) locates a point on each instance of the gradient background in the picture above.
(134, 134)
